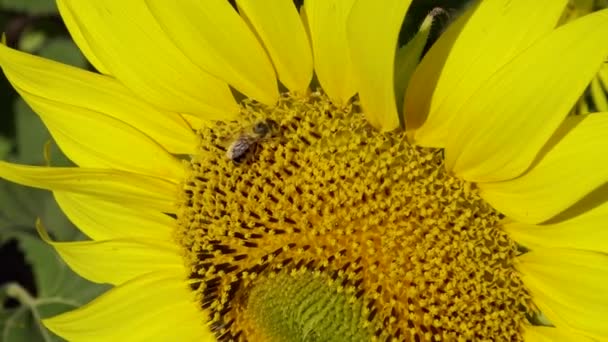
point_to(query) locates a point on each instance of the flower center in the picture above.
(301, 222)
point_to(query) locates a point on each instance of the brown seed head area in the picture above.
(331, 230)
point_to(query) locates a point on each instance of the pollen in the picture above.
(331, 230)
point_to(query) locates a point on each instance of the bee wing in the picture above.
(241, 146)
(226, 142)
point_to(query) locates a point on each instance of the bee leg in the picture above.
(237, 161)
(257, 149)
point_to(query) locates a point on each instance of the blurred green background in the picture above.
(34, 282)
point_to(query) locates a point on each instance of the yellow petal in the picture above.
(133, 47)
(408, 56)
(216, 39)
(196, 122)
(94, 140)
(154, 307)
(502, 127)
(79, 39)
(472, 49)
(588, 231)
(570, 287)
(277, 24)
(373, 29)
(69, 86)
(112, 185)
(326, 21)
(571, 166)
(117, 261)
(552, 334)
(103, 220)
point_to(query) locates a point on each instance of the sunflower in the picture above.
(230, 195)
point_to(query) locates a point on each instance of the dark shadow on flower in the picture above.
(591, 201)
(562, 131)
(437, 56)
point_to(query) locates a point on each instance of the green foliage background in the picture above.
(34, 281)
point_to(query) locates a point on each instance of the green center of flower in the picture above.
(299, 306)
(300, 222)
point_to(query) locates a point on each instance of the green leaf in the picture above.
(5, 146)
(55, 221)
(62, 49)
(16, 325)
(31, 135)
(30, 6)
(31, 41)
(20, 206)
(59, 290)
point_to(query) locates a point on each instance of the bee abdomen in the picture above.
(239, 150)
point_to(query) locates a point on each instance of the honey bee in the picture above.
(246, 143)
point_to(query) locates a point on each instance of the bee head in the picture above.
(265, 127)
